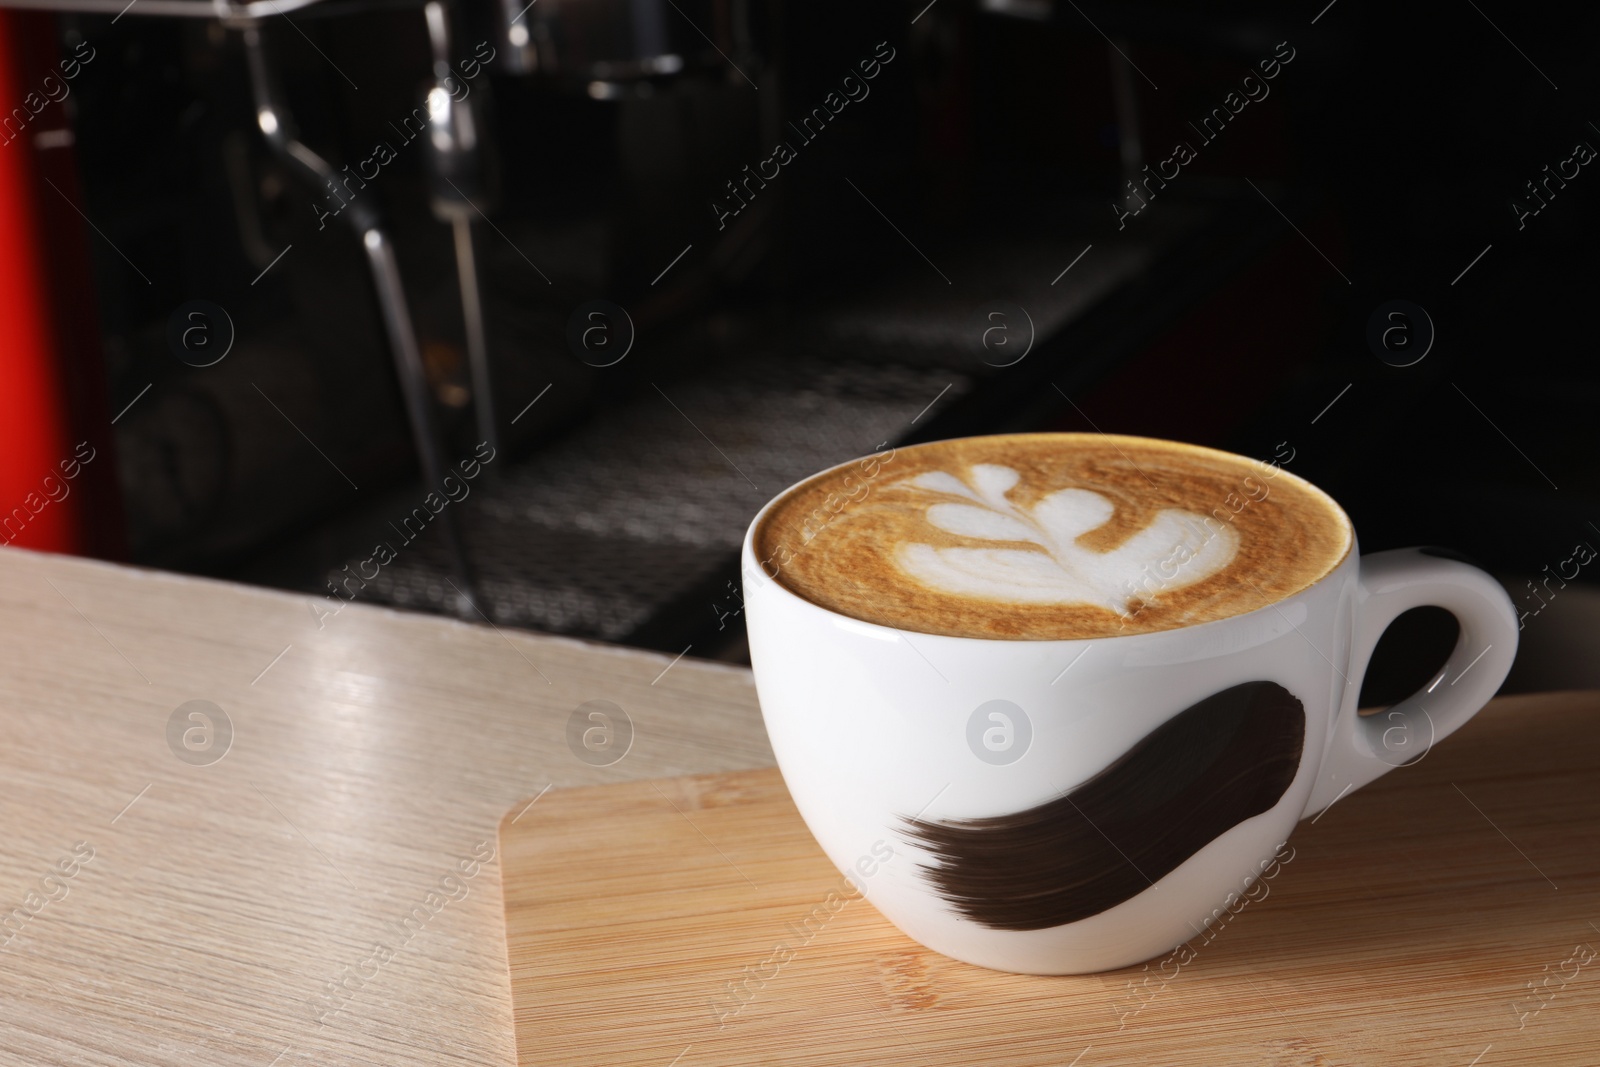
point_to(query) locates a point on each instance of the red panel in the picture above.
(52, 385)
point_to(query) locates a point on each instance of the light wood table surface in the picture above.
(372, 753)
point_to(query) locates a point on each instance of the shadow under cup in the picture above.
(1068, 806)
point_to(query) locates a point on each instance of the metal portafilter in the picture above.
(459, 190)
(277, 128)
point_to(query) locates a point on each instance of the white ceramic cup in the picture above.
(873, 726)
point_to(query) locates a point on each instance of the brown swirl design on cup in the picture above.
(1199, 774)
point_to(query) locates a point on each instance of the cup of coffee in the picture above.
(1051, 700)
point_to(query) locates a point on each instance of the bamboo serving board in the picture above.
(1447, 914)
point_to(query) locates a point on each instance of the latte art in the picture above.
(1050, 536)
(1056, 569)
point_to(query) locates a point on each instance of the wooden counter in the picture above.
(225, 903)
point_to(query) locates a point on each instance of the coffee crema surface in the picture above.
(1050, 536)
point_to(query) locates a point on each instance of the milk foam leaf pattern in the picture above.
(972, 521)
(1054, 568)
(1211, 766)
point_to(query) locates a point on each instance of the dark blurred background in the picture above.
(1368, 260)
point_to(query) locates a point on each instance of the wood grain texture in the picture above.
(370, 756)
(688, 922)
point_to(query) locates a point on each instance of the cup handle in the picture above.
(1363, 749)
